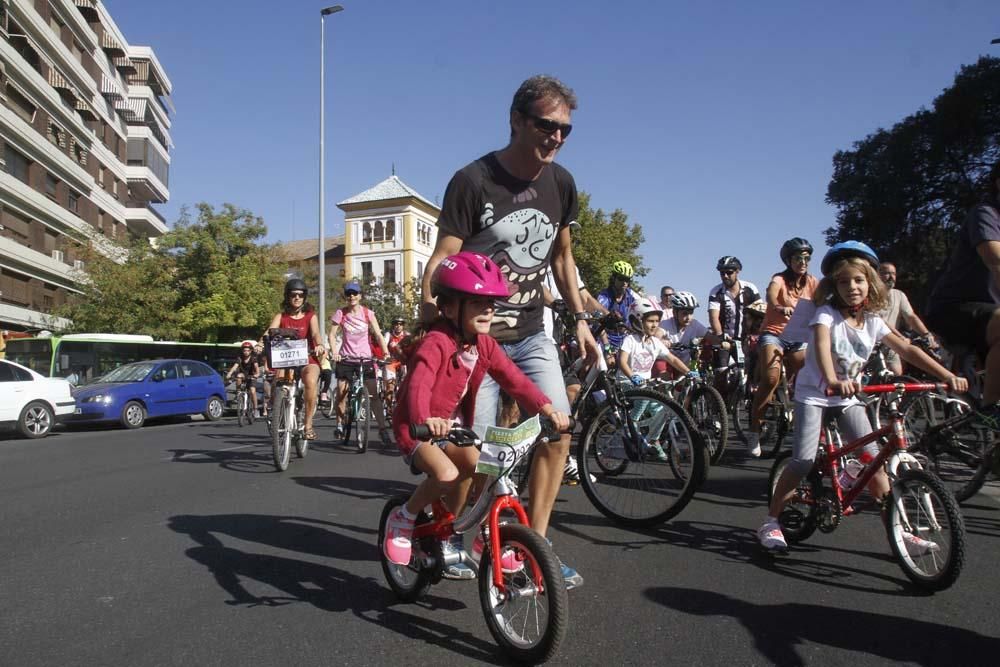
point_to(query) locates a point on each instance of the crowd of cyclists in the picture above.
(501, 298)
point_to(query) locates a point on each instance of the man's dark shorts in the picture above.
(963, 323)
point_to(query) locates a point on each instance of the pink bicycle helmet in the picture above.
(469, 273)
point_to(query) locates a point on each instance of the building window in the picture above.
(366, 233)
(51, 184)
(73, 202)
(379, 231)
(77, 51)
(420, 270)
(22, 105)
(55, 23)
(390, 230)
(100, 176)
(366, 271)
(17, 164)
(389, 271)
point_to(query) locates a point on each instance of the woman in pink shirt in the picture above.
(444, 373)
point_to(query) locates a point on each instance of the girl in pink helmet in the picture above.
(444, 372)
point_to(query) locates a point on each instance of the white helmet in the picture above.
(683, 301)
(642, 308)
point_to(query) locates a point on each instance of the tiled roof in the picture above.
(390, 188)
(307, 249)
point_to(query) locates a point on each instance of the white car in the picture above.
(31, 402)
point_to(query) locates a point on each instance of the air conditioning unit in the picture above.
(58, 255)
(78, 264)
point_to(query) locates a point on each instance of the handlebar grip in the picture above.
(420, 432)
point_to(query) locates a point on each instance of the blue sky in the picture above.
(713, 126)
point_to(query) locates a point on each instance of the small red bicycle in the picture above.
(521, 587)
(926, 531)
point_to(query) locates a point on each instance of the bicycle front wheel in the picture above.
(926, 530)
(362, 419)
(741, 408)
(281, 430)
(241, 408)
(646, 482)
(530, 620)
(800, 517)
(708, 410)
(301, 444)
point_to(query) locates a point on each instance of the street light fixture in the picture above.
(323, 13)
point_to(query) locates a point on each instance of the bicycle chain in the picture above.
(830, 511)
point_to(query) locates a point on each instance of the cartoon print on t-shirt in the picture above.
(520, 243)
(849, 355)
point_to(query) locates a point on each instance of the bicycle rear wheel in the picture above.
(530, 621)
(708, 410)
(281, 430)
(408, 582)
(631, 482)
(925, 529)
(959, 455)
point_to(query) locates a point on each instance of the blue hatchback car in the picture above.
(146, 389)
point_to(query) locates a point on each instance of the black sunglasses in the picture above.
(296, 295)
(548, 126)
(728, 272)
(351, 292)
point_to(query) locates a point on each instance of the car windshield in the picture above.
(130, 372)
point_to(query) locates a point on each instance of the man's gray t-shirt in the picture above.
(515, 223)
(966, 279)
(898, 305)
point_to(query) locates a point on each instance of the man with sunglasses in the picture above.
(726, 302)
(515, 205)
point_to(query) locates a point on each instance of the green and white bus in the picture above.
(85, 357)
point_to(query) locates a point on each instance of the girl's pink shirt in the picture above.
(436, 380)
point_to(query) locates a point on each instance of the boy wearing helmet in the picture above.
(247, 370)
(446, 369)
(683, 328)
(618, 298)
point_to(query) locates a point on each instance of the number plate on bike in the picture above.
(503, 447)
(289, 353)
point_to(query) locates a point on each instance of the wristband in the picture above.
(581, 316)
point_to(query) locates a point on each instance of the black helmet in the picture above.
(728, 262)
(296, 284)
(399, 320)
(793, 247)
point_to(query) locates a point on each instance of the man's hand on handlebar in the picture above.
(560, 420)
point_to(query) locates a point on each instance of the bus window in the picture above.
(36, 354)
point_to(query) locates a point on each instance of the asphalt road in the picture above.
(179, 544)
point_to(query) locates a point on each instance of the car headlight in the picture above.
(99, 398)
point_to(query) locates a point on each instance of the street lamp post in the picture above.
(323, 13)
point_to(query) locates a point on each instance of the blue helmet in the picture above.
(353, 285)
(846, 249)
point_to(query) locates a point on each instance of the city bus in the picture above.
(85, 357)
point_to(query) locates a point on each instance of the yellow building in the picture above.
(390, 231)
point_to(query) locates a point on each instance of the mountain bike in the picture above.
(358, 413)
(244, 409)
(290, 354)
(526, 606)
(702, 401)
(924, 526)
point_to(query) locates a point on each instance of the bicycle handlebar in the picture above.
(905, 387)
(422, 432)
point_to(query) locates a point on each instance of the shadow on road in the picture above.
(327, 588)
(778, 629)
(237, 460)
(358, 487)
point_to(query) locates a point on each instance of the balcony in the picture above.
(145, 186)
(146, 221)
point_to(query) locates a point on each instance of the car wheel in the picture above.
(133, 415)
(36, 420)
(215, 409)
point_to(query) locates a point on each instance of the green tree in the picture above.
(132, 293)
(228, 283)
(905, 191)
(390, 300)
(602, 240)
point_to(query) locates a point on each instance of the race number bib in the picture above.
(503, 447)
(289, 353)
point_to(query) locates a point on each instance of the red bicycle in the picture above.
(521, 587)
(925, 528)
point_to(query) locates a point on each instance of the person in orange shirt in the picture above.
(784, 291)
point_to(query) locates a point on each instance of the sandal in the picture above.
(310, 434)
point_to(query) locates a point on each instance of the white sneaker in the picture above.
(917, 546)
(753, 444)
(771, 537)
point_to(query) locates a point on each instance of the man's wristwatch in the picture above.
(582, 316)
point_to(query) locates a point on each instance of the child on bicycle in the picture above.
(844, 331)
(446, 368)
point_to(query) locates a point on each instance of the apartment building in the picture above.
(84, 149)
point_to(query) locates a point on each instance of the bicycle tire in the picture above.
(959, 455)
(301, 444)
(363, 419)
(408, 582)
(540, 565)
(741, 408)
(772, 428)
(708, 409)
(240, 409)
(920, 498)
(639, 478)
(281, 435)
(800, 517)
